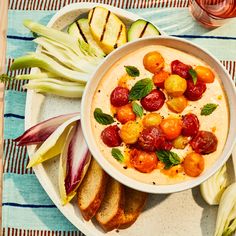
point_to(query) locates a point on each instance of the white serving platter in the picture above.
(180, 214)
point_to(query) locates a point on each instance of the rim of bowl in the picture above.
(184, 46)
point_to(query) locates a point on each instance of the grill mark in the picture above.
(90, 20)
(81, 32)
(143, 31)
(104, 27)
(118, 36)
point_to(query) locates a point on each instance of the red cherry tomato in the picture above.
(167, 145)
(144, 162)
(181, 69)
(194, 92)
(119, 96)
(190, 125)
(204, 142)
(153, 101)
(110, 136)
(159, 78)
(151, 139)
(125, 113)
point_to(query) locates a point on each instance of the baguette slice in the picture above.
(91, 191)
(134, 203)
(111, 211)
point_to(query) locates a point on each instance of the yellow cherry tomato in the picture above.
(175, 85)
(204, 74)
(153, 62)
(152, 119)
(177, 104)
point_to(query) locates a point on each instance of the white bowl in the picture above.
(181, 45)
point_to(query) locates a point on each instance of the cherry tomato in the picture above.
(190, 125)
(152, 119)
(119, 96)
(153, 101)
(159, 78)
(167, 145)
(177, 104)
(181, 69)
(204, 74)
(153, 62)
(204, 142)
(151, 139)
(144, 162)
(110, 136)
(193, 164)
(175, 85)
(125, 113)
(130, 132)
(180, 142)
(194, 92)
(171, 127)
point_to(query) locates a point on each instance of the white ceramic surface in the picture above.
(179, 44)
(164, 215)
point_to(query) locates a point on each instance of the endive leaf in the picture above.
(52, 146)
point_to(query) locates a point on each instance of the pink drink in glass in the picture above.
(213, 13)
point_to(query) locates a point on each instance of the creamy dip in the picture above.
(217, 122)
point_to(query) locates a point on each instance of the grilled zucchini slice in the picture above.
(142, 29)
(107, 29)
(81, 30)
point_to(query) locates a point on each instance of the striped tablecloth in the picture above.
(27, 210)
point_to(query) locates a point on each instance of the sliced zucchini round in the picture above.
(141, 29)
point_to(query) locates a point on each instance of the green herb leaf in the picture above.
(168, 158)
(142, 88)
(116, 153)
(193, 73)
(102, 118)
(137, 109)
(4, 78)
(208, 109)
(132, 71)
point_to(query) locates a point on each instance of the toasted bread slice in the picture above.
(111, 210)
(134, 203)
(91, 191)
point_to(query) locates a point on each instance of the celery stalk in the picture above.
(45, 62)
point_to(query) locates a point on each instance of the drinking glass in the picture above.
(213, 13)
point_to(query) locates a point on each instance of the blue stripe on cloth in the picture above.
(14, 115)
(13, 204)
(26, 193)
(14, 104)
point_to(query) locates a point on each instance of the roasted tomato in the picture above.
(153, 101)
(175, 85)
(194, 92)
(119, 96)
(151, 139)
(177, 104)
(193, 164)
(159, 78)
(130, 132)
(204, 74)
(180, 142)
(190, 125)
(125, 113)
(204, 142)
(110, 136)
(171, 127)
(143, 161)
(152, 119)
(181, 69)
(153, 62)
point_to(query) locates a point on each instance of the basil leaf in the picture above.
(132, 71)
(142, 88)
(116, 153)
(137, 109)
(193, 73)
(168, 158)
(102, 118)
(208, 109)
